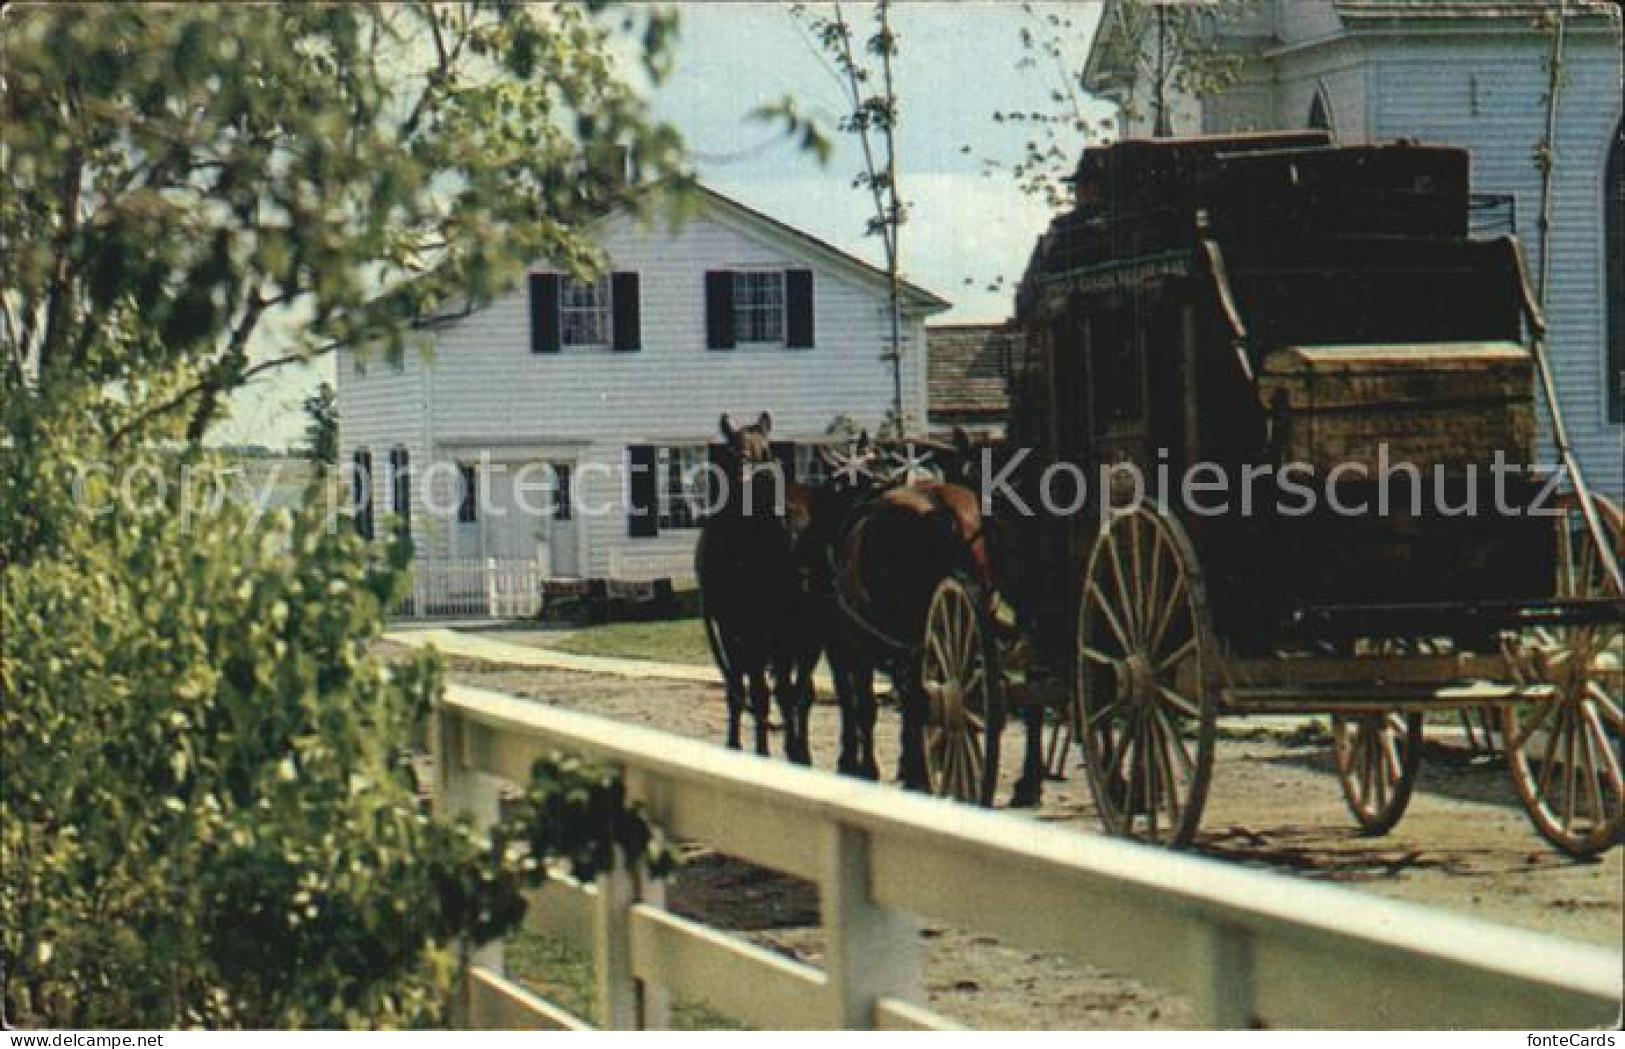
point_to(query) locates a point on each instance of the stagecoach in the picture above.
(1337, 385)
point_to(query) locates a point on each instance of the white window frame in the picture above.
(810, 467)
(745, 333)
(679, 496)
(588, 303)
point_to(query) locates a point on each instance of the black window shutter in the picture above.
(400, 474)
(544, 313)
(623, 298)
(468, 499)
(719, 310)
(643, 492)
(798, 309)
(361, 481)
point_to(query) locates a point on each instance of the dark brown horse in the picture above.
(822, 514)
(874, 557)
(750, 589)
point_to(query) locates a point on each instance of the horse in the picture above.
(822, 512)
(878, 554)
(749, 586)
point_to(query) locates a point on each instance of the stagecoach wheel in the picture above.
(1565, 751)
(1378, 756)
(960, 674)
(1482, 727)
(1145, 701)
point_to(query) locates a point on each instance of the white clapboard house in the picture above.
(1466, 73)
(556, 431)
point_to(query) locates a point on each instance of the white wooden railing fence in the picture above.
(481, 586)
(1244, 947)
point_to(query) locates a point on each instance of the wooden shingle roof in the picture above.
(968, 364)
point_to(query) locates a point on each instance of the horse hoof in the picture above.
(1027, 795)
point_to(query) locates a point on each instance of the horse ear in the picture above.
(765, 423)
(726, 428)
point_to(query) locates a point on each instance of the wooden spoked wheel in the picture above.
(1145, 697)
(964, 693)
(1378, 756)
(1565, 752)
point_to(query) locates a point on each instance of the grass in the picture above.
(664, 641)
(564, 976)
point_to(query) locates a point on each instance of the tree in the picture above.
(1163, 49)
(1172, 48)
(207, 815)
(870, 95)
(322, 431)
(178, 175)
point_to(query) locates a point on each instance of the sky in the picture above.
(958, 64)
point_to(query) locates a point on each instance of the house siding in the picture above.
(383, 406)
(487, 392)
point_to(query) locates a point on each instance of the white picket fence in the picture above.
(1244, 947)
(487, 587)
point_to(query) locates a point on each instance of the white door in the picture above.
(562, 545)
(516, 530)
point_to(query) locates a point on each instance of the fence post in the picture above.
(871, 951)
(612, 948)
(490, 586)
(462, 791)
(1223, 999)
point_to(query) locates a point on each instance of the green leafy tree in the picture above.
(177, 175)
(322, 429)
(207, 815)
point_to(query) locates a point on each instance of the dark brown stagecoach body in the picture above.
(1259, 301)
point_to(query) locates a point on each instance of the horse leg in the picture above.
(787, 692)
(735, 688)
(911, 764)
(1030, 788)
(761, 706)
(865, 714)
(846, 697)
(806, 694)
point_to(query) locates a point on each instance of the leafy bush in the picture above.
(207, 816)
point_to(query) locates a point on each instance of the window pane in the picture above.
(681, 472)
(759, 306)
(584, 312)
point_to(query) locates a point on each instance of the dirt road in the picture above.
(1464, 846)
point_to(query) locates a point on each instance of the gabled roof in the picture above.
(914, 296)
